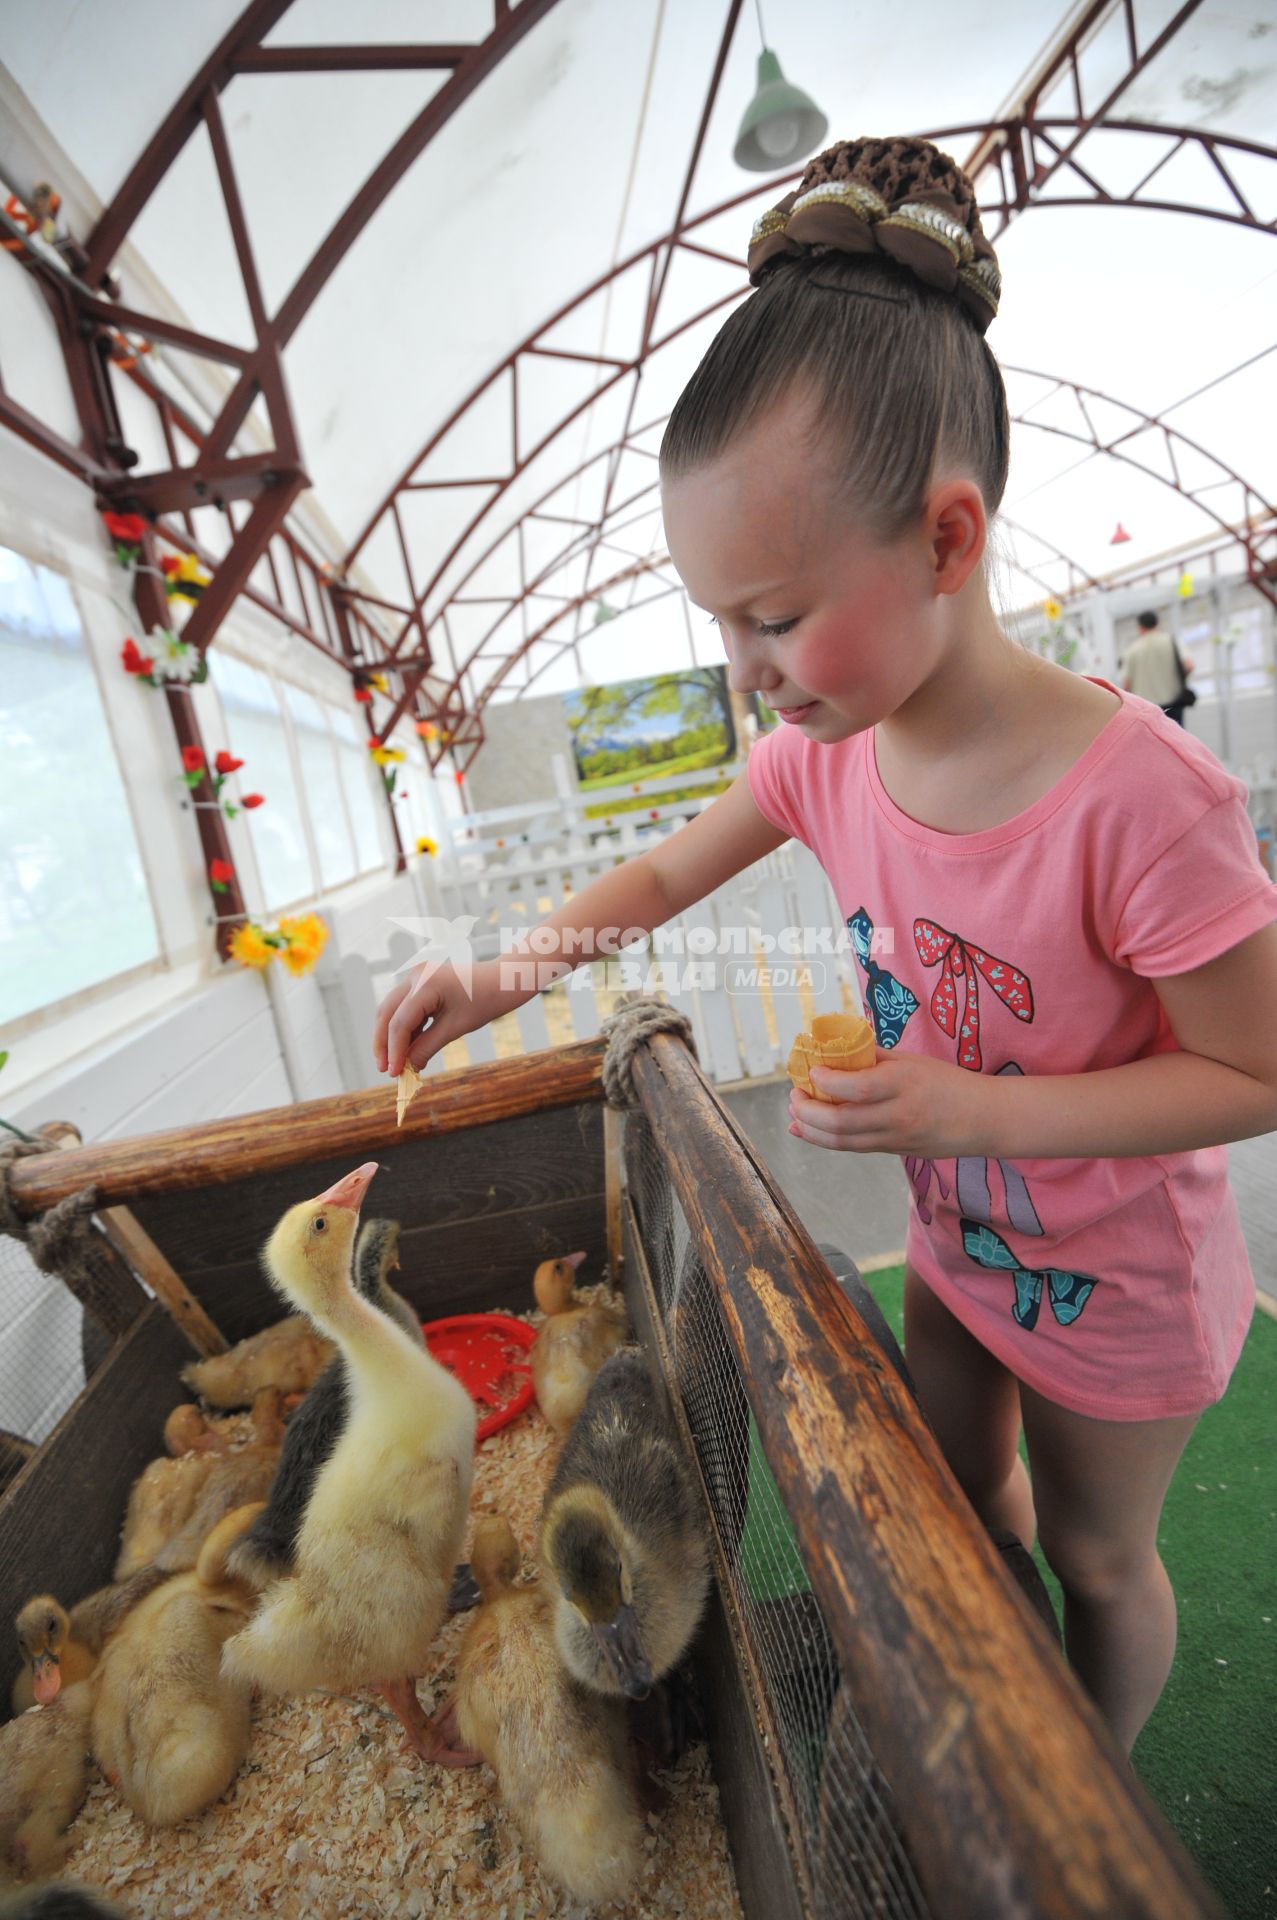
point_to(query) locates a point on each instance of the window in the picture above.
(256, 730)
(361, 801)
(74, 903)
(317, 758)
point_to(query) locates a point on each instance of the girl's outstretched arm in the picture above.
(1220, 1086)
(421, 1015)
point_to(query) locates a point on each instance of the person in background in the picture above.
(1154, 670)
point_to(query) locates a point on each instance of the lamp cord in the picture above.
(761, 35)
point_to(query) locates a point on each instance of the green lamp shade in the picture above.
(781, 123)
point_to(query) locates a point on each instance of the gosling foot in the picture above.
(428, 1739)
(451, 1750)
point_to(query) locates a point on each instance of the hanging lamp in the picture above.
(781, 122)
(1120, 536)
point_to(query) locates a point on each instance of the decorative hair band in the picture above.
(899, 197)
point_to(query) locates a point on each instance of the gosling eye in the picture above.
(319, 1224)
(52, 1625)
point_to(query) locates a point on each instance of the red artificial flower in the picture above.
(193, 759)
(227, 763)
(170, 564)
(254, 799)
(220, 870)
(130, 657)
(127, 528)
(364, 696)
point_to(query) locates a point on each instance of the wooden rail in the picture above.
(1011, 1795)
(219, 1152)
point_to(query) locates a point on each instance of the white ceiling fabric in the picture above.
(569, 157)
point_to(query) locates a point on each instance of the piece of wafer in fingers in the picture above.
(841, 1040)
(409, 1083)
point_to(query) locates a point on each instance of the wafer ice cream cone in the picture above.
(841, 1040)
(409, 1081)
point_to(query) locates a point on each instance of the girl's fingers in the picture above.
(381, 1024)
(857, 1089)
(439, 1034)
(416, 1007)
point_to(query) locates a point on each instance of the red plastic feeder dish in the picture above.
(487, 1353)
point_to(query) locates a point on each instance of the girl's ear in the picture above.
(957, 531)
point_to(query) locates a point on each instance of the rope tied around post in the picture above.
(66, 1243)
(634, 1023)
(56, 1239)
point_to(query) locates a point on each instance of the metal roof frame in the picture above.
(1029, 152)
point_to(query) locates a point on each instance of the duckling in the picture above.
(623, 1538)
(43, 1780)
(187, 1430)
(169, 1727)
(560, 1753)
(269, 1548)
(573, 1343)
(375, 1551)
(164, 1495)
(235, 1479)
(52, 1657)
(290, 1355)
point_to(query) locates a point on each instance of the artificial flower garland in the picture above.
(298, 941)
(195, 768)
(172, 663)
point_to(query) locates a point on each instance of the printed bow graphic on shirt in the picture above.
(1067, 1292)
(888, 1001)
(956, 960)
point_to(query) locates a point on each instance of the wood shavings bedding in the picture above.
(328, 1818)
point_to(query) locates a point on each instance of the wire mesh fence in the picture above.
(848, 1849)
(42, 1366)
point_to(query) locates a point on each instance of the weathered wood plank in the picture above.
(60, 1519)
(466, 1266)
(352, 1125)
(1011, 1794)
(483, 1172)
(136, 1245)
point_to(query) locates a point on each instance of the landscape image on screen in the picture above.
(641, 730)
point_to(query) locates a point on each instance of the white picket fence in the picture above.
(726, 963)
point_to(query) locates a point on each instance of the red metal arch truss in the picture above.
(1049, 150)
(533, 616)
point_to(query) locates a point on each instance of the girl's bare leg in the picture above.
(1098, 1487)
(973, 1403)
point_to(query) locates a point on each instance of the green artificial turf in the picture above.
(1208, 1755)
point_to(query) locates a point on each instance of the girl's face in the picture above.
(833, 628)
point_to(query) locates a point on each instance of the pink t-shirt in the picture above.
(1119, 1288)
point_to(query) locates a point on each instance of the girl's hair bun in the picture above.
(903, 198)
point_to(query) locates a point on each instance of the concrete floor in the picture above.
(860, 1201)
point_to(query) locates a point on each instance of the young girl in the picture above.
(1065, 935)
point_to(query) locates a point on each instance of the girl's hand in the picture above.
(427, 1011)
(904, 1103)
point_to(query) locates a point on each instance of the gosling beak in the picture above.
(46, 1678)
(349, 1191)
(574, 1260)
(623, 1651)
